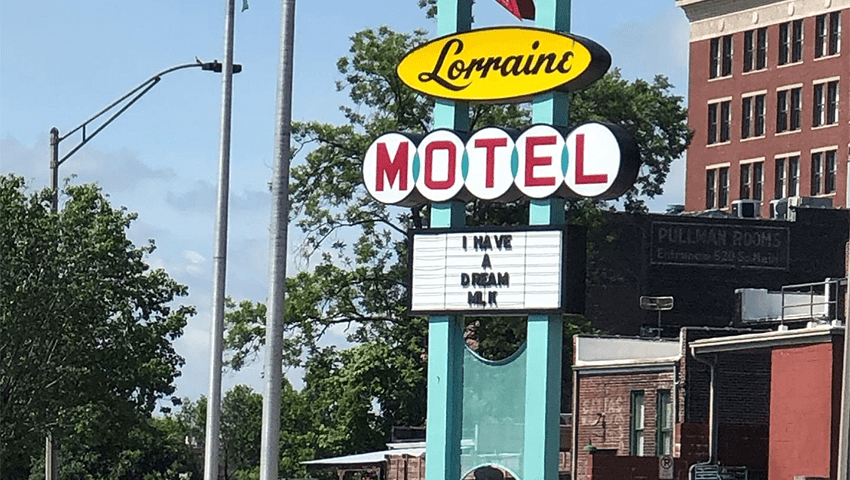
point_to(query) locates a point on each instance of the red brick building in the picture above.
(769, 103)
(805, 395)
(774, 407)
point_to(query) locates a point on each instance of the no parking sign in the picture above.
(665, 467)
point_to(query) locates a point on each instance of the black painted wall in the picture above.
(701, 263)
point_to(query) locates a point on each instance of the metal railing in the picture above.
(818, 301)
(703, 471)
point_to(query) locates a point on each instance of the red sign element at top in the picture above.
(519, 8)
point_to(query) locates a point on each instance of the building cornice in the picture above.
(757, 341)
(638, 365)
(712, 18)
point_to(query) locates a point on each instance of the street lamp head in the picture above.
(215, 66)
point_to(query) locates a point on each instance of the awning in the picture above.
(365, 458)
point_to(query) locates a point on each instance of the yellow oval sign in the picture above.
(502, 63)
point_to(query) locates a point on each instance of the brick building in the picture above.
(775, 406)
(769, 102)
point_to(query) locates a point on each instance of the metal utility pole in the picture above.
(844, 427)
(270, 442)
(211, 446)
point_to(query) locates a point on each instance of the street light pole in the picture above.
(50, 454)
(213, 423)
(54, 168)
(136, 94)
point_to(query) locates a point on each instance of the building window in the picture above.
(827, 34)
(793, 176)
(787, 177)
(825, 104)
(791, 42)
(830, 170)
(755, 49)
(719, 119)
(752, 116)
(710, 189)
(720, 61)
(788, 106)
(638, 417)
(779, 179)
(664, 423)
(823, 172)
(752, 180)
(817, 173)
(758, 180)
(717, 188)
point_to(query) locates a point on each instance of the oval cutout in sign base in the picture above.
(503, 64)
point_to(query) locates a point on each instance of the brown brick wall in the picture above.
(405, 467)
(604, 466)
(604, 404)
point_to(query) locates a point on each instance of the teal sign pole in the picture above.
(545, 332)
(466, 409)
(445, 333)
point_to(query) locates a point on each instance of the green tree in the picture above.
(86, 327)
(360, 280)
(152, 450)
(241, 420)
(241, 425)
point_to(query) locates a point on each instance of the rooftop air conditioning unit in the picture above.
(806, 202)
(779, 209)
(810, 202)
(746, 208)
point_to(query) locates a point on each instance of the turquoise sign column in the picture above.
(545, 332)
(507, 412)
(445, 333)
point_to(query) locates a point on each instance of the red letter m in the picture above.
(395, 168)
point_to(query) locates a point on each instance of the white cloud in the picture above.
(196, 261)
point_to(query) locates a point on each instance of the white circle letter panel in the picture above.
(388, 168)
(539, 150)
(594, 160)
(489, 152)
(440, 155)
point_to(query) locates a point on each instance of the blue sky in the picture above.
(62, 61)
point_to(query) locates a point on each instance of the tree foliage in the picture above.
(86, 327)
(241, 420)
